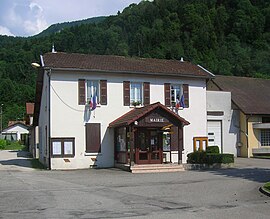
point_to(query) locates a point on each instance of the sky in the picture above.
(30, 17)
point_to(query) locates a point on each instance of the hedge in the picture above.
(201, 157)
(212, 150)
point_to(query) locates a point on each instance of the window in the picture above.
(93, 140)
(136, 93)
(176, 93)
(88, 89)
(265, 119)
(63, 147)
(265, 137)
(92, 90)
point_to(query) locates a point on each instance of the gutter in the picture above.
(130, 72)
(49, 117)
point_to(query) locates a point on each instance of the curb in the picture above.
(262, 190)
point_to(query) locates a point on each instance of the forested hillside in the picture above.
(225, 36)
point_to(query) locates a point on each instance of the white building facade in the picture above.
(77, 103)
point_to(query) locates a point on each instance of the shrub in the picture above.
(212, 150)
(204, 158)
(198, 157)
(3, 144)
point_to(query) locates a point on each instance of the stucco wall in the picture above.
(43, 131)
(68, 118)
(220, 101)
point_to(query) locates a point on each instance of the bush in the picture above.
(201, 157)
(212, 150)
(198, 157)
(3, 144)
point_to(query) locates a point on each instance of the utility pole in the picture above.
(1, 114)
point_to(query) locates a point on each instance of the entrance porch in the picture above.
(150, 135)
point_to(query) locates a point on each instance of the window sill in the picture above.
(139, 106)
(92, 154)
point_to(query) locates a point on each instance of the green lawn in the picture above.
(267, 186)
(13, 146)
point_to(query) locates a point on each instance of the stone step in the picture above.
(156, 168)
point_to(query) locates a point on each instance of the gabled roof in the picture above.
(251, 95)
(121, 64)
(137, 113)
(30, 108)
(12, 124)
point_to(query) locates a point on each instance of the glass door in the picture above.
(148, 147)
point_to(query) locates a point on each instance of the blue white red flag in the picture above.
(93, 103)
(182, 101)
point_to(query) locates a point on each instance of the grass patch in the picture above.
(36, 164)
(15, 145)
(267, 186)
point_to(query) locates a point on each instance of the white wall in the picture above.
(221, 101)
(43, 130)
(67, 117)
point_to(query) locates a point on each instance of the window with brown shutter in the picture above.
(126, 91)
(93, 141)
(167, 90)
(103, 92)
(81, 91)
(174, 138)
(146, 93)
(186, 94)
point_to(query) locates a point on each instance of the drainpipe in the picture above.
(49, 116)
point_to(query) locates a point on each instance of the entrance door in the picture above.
(148, 147)
(214, 134)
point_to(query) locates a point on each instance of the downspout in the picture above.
(49, 117)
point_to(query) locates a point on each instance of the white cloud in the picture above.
(5, 31)
(29, 17)
(39, 23)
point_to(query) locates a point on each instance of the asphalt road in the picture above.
(112, 193)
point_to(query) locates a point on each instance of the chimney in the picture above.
(53, 50)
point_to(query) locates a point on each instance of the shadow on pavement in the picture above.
(260, 175)
(17, 162)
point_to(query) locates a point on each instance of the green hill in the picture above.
(56, 28)
(226, 37)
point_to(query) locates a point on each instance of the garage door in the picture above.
(214, 133)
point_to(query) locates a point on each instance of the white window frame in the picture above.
(265, 137)
(173, 95)
(136, 98)
(90, 90)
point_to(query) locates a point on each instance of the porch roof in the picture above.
(137, 113)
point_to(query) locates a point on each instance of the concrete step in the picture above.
(156, 168)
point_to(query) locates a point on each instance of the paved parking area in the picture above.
(112, 193)
(15, 160)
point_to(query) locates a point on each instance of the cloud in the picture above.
(5, 31)
(29, 17)
(36, 21)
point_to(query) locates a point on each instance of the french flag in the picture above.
(93, 103)
(182, 101)
(177, 104)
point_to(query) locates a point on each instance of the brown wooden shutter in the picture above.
(174, 138)
(186, 94)
(126, 86)
(81, 91)
(167, 94)
(103, 92)
(93, 138)
(146, 93)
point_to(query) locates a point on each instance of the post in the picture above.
(132, 144)
(1, 113)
